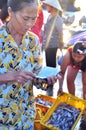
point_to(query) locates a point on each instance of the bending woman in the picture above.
(74, 60)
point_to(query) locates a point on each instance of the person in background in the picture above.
(37, 27)
(53, 34)
(74, 60)
(69, 5)
(20, 62)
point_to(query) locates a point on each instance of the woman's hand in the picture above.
(23, 76)
(18, 76)
(53, 79)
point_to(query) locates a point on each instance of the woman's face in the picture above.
(49, 8)
(77, 57)
(24, 19)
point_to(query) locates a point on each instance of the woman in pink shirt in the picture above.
(38, 23)
(1, 23)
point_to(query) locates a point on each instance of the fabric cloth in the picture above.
(81, 65)
(77, 37)
(17, 105)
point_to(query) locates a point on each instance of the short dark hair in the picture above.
(78, 47)
(2, 3)
(17, 5)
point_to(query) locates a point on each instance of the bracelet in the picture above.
(61, 73)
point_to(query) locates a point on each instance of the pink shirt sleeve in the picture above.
(1, 23)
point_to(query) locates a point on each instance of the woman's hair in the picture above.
(17, 5)
(4, 12)
(2, 3)
(78, 47)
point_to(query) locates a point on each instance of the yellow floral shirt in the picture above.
(17, 105)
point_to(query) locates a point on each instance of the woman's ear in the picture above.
(10, 11)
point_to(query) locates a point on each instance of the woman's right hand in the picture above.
(23, 76)
(18, 76)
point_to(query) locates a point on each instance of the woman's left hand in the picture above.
(53, 79)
